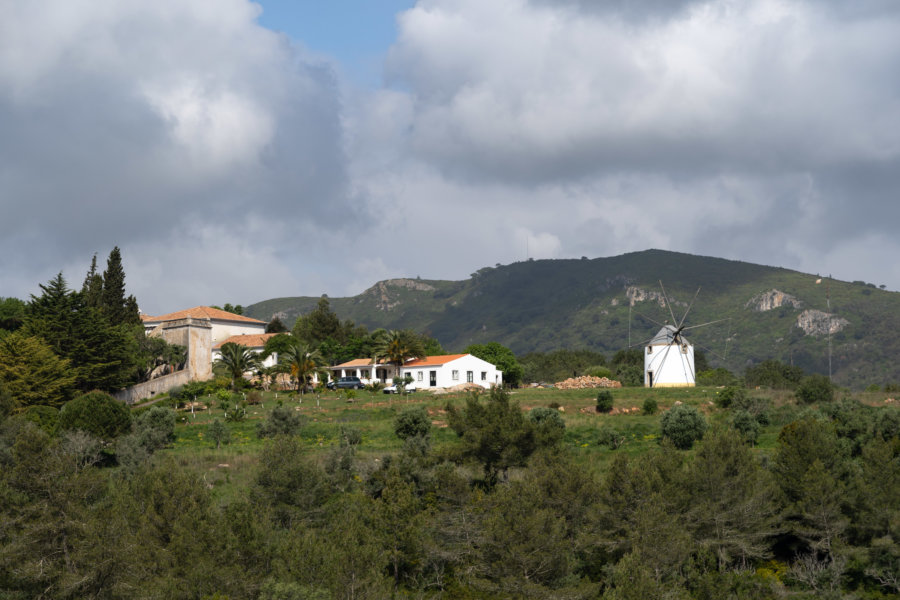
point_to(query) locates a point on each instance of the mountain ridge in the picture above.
(542, 305)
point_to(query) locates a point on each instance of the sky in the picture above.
(238, 151)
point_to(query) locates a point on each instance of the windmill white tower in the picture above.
(668, 355)
(669, 360)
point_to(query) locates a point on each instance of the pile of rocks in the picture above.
(586, 382)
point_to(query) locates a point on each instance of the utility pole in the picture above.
(828, 305)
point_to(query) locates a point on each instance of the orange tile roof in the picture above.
(201, 312)
(356, 362)
(433, 361)
(251, 340)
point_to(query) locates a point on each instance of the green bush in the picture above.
(730, 395)
(630, 375)
(235, 413)
(350, 436)
(224, 398)
(611, 438)
(155, 428)
(218, 433)
(412, 422)
(684, 425)
(97, 413)
(548, 425)
(254, 398)
(747, 425)
(604, 401)
(281, 421)
(650, 406)
(599, 371)
(815, 388)
(716, 377)
(45, 417)
(375, 387)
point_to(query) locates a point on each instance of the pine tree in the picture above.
(101, 354)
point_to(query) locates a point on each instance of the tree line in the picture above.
(505, 511)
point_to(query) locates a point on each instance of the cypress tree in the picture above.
(118, 309)
(93, 285)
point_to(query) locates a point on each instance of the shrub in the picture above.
(630, 375)
(45, 417)
(717, 376)
(747, 425)
(730, 395)
(611, 438)
(599, 371)
(281, 421)
(757, 407)
(650, 406)
(218, 433)
(548, 424)
(350, 436)
(375, 387)
(412, 422)
(236, 413)
(604, 401)
(155, 428)
(873, 387)
(815, 388)
(254, 398)
(224, 398)
(97, 413)
(554, 405)
(684, 425)
(892, 388)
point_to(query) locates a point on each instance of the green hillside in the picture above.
(541, 305)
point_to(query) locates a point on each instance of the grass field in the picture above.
(231, 466)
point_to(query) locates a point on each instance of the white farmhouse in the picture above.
(669, 360)
(442, 371)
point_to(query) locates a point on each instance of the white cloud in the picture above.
(232, 165)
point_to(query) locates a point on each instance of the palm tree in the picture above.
(302, 362)
(237, 359)
(397, 347)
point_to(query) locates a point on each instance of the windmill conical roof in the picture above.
(666, 336)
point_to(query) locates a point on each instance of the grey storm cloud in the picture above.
(136, 123)
(232, 165)
(773, 119)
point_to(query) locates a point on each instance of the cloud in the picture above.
(231, 164)
(720, 127)
(138, 123)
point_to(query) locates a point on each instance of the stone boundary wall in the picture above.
(148, 389)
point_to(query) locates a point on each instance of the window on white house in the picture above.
(365, 373)
(455, 375)
(649, 349)
(470, 376)
(484, 375)
(419, 375)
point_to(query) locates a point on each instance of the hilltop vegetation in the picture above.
(602, 304)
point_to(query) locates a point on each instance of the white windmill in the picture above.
(668, 355)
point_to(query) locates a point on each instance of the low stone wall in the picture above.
(148, 389)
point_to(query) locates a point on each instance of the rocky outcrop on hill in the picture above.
(771, 300)
(816, 322)
(385, 300)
